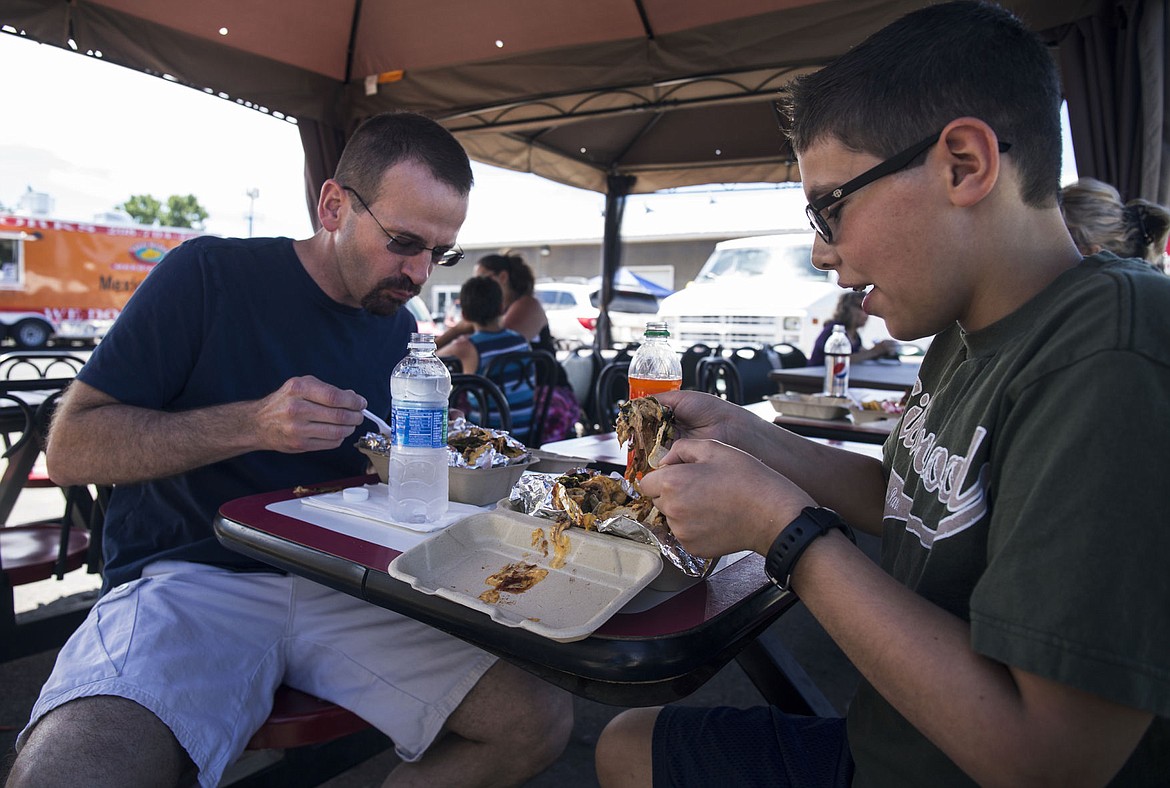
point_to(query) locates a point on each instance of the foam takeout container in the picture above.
(600, 574)
(550, 462)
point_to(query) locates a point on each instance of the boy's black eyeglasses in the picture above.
(408, 247)
(888, 167)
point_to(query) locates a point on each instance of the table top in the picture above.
(886, 375)
(654, 656)
(607, 454)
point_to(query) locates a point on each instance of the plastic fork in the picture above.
(383, 427)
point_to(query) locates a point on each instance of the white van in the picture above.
(761, 291)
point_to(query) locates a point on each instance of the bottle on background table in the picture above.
(420, 387)
(838, 349)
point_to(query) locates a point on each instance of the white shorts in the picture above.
(205, 648)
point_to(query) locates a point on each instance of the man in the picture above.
(1018, 633)
(241, 366)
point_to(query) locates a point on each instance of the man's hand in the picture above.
(306, 414)
(719, 500)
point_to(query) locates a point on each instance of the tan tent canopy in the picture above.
(617, 96)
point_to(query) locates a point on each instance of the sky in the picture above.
(91, 134)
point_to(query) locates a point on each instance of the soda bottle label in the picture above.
(418, 426)
(837, 384)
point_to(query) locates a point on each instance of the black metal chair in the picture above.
(791, 357)
(690, 362)
(453, 365)
(536, 369)
(610, 391)
(717, 375)
(37, 551)
(477, 396)
(753, 365)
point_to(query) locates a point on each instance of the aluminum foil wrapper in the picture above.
(533, 495)
(501, 448)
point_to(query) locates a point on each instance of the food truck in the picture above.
(69, 280)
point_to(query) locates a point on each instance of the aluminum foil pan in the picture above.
(474, 446)
(536, 494)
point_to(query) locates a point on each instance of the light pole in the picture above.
(253, 193)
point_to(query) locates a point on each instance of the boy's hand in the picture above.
(701, 415)
(718, 499)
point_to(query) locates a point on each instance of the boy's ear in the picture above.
(972, 155)
(329, 205)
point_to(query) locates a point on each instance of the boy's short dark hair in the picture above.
(946, 61)
(482, 299)
(391, 138)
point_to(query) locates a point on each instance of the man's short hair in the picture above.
(482, 299)
(946, 61)
(391, 138)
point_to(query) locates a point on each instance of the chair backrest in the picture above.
(526, 376)
(581, 367)
(453, 364)
(690, 361)
(717, 375)
(39, 365)
(611, 390)
(478, 397)
(791, 356)
(753, 365)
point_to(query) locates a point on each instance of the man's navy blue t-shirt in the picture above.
(219, 321)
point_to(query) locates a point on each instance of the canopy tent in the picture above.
(625, 279)
(617, 96)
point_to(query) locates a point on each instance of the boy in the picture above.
(1016, 631)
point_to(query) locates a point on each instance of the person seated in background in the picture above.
(202, 393)
(1015, 633)
(523, 312)
(483, 307)
(850, 314)
(1098, 221)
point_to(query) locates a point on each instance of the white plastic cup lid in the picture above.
(355, 494)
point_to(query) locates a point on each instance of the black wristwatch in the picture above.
(812, 522)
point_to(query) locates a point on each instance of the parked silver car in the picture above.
(572, 313)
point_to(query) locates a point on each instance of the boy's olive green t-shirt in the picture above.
(1029, 494)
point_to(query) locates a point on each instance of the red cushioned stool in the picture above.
(299, 719)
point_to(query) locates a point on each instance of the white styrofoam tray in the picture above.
(600, 573)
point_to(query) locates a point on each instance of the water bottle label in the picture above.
(420, 426)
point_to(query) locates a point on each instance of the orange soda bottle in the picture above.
(655, 367)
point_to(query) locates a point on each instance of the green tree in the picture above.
(179, 211)
(144, 208)
(185, 211)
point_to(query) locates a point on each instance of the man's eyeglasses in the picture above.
(888, 167)
(408, 247)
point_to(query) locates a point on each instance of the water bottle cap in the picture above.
(422, 340)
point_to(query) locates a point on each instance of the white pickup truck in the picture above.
(758, 291)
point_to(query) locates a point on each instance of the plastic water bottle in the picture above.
(655, 366)
(838, 349)
(420, 387)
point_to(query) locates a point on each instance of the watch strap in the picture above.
(811, 523)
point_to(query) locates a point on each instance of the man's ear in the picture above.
(971, 148)
(329, 205)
